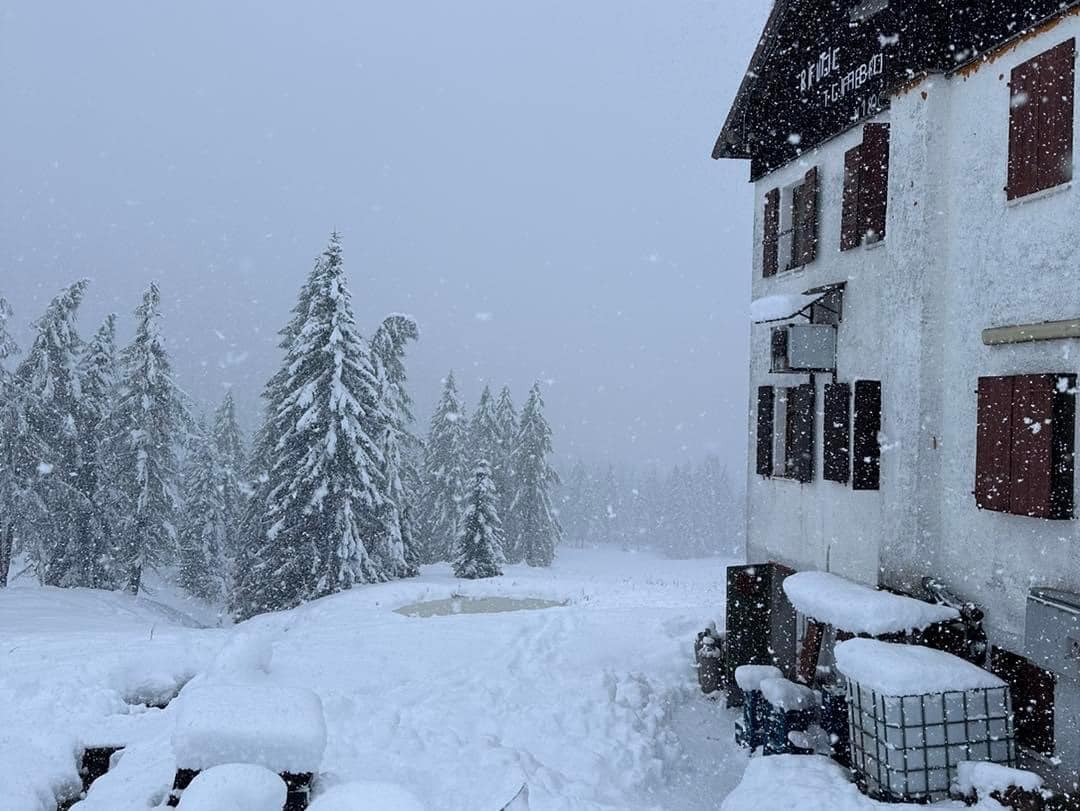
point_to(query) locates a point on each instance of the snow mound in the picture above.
(749, 677)
(365, 796)
(235, 787)
(246, 653)
(985, 777)
(804, 782)
(860, 609)
(906, 670)
(35, 776)
(787, 695)
(281, 728)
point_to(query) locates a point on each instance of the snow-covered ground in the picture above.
(593, 704)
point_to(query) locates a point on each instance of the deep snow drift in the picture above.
(592, 704)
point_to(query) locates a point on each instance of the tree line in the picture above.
(107, 472)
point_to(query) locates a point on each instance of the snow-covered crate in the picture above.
(916, 713)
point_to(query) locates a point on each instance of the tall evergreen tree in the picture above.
(484, 432)
(13, 490)
(324, 467)
(99, 377)
(51, 393)
(502, 461)
(227, 443)
(444, 475)
(396, 543)
(204, 527)
(535, 526)
(149, 418)
(478, 551)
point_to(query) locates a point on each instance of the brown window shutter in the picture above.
(849, 217)
(1064, 447)
(866, 447)
(836, 433)
(1056, 85)
(1032, 445)
(771, 237)
(799, 445)
(765, 417)
(993, 444)
(1024, 98)
(874, 182)
(806, 219)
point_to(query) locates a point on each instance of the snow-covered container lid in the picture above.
(235, 787)
(894, 669)
(787, 695)
(781, 306)
(281, 728)
(860, 609)
(749, 677)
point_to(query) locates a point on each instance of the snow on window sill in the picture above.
(1061, 188)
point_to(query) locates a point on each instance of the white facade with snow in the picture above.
(957, 257)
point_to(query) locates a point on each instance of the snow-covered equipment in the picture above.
(1012, 788)
(279, 728)
(235, 787)
(1053, 631)
(709, 657)
(916, 713)
(788, 708)
(750, 729)
(760, 621)
(833, 719)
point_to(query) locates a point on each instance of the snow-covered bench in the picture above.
(279, 728)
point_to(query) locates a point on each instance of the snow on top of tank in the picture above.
(894, 669)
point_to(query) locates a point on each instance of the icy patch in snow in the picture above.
(860, 609)
(749, 677)
(985, 777)
(893, 669)
(235, 787)
(357, 796)
(475, 605)
(281, 728)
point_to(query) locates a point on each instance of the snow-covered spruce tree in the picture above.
(484, 430)
(324, 469)
(149, 418)
(536, 529)
(227, 443)
(502, 461)
(204, 526)
(13, 490)
(478, 551)
(49, 385)
(98, 376)
(445, 463)
(395, 546)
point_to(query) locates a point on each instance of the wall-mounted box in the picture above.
(803, 348)
(1052, 631)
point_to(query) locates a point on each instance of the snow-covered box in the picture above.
(916, 713)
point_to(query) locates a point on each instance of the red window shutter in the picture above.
(866, 445)
(836, 433)
(771, 236)
(993, 444)
(849, 217)
(765, 417)
(874, 182)
(806, 219)
(1023, 130)
(1056, 84)
(1032, 445)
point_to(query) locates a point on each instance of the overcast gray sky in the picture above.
(531, 180)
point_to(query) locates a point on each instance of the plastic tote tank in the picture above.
(915, 713)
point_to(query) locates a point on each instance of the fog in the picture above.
(530, 180)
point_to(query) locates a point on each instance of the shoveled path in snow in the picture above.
(593, 704)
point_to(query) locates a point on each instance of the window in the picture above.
(1041, 121)
(785, 432)
(866, 183)
(790, 226)
(1032, 690)
(866, 440)
(1024, 446)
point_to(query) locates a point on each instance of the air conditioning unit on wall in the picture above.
(803, 348)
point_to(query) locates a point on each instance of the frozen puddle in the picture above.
(475, 605)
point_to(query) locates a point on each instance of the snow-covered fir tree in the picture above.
(50, 389)
(227, 442)
(502, 459)
(445, 469)
(149, 419)
(98, 375)
(395, 546)
(324, 466)
(535, 527)
(478, 552)
(484, 430)
(204, 528)
(13, 491)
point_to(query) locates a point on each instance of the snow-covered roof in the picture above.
(781, 306)
(281, 728)
(894, 669)
(860, 609)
